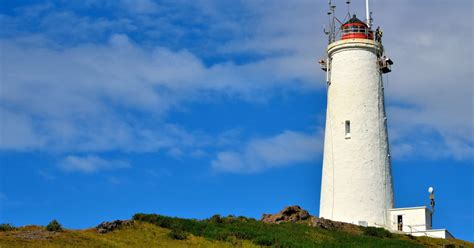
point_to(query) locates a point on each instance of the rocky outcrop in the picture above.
(297, 214)
(334, 225)
(288, 214)
(325, 223)
(106, 227)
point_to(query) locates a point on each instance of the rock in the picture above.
(106, 227)
(297, 214)
(325, 223)
(334, 225)
(288, 214)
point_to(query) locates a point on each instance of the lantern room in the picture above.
(356, 29)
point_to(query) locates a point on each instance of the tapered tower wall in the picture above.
(356, 182)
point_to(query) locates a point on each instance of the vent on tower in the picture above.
(348, 129)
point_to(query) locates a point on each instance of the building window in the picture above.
(348, 129)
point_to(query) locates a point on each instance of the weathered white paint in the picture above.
(356, 182)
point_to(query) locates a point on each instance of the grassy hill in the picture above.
(150, 230)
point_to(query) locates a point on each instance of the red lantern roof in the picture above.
(356, 29)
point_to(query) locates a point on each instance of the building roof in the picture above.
(410, 208)
(354, 19)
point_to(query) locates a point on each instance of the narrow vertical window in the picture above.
(348, 129)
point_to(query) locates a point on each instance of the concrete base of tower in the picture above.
(361, 222)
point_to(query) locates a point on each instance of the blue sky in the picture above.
(108, 108)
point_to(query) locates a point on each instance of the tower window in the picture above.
(348, 129)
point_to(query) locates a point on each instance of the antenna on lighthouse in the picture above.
(348, 2)
(332, 25)
(368, 14)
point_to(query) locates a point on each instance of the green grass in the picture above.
(140, 234)
(276, 235)
(151, 230)
(6, 227)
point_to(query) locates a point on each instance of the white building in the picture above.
(356, 180)
(416, 221)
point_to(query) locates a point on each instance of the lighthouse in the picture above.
(356, 180)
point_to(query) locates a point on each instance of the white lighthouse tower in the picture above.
(356, 179)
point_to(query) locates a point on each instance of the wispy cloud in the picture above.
(90, 164)
(284, 149)
(80, 93)
(140, 6)
(17, 131)
(413, 135)
(3, 197)
(72, 93)
(46, 175)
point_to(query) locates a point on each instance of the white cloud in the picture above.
(284, 149)
(412, 134)
(90, 164)
(17, 131)
(75, 97)
(175, 152)
(432, 74)
(430, 91)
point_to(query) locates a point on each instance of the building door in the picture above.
(400, 222)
